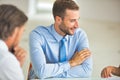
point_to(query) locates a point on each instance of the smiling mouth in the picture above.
(72, 30)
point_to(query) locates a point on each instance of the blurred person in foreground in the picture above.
(12, 56)
(60, 50)
(109, 71)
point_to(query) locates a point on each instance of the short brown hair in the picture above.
(10, 18)
(60, 6)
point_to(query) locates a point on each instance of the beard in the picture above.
(64, 29)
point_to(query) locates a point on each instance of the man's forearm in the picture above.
(116, 71)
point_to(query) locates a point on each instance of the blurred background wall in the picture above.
(99, 18)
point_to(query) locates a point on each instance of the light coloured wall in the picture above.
(108, 10)
(99, 18)
(22, 4)
(104, 41)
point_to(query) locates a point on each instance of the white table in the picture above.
(112, 78)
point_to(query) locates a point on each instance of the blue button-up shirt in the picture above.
(44, 54)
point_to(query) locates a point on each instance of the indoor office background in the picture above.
(99, 18)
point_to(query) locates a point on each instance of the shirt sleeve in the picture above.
(10, 69)
(38, 59)
(83, 70)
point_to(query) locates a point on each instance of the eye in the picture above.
(72, 20)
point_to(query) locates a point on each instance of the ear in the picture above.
(58, 19)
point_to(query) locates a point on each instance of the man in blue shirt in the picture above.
(45, 45)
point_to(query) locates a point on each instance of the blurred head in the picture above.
(66, 15)
(12, 22)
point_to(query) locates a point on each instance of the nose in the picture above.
(76, 24)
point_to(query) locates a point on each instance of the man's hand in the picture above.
(79, 57)
(106, 72)
(109, 71)
(20, 54)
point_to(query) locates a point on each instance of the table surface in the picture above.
(112, 78)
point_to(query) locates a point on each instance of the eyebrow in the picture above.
(75, 19)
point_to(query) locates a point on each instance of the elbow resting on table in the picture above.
(41, 72)
(88, 73)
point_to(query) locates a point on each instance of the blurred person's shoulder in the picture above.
(9, 66)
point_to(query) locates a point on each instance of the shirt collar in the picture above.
(3, 45)
(57, 36)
